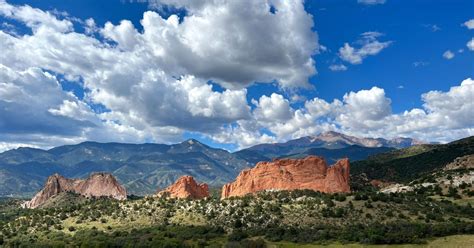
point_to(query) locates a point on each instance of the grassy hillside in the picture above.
(410, 163)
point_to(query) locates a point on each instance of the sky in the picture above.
(233, 74)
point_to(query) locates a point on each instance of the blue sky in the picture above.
(410, 25)
(393, 79)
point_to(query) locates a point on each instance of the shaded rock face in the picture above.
(96, 185)
(186, 187)
(290, 174)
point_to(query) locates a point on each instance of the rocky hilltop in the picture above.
(96, 185)
(311, 172)
(464, 162)
(186, 187)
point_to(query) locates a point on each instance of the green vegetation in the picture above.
(299, 217)
(454, 241)
(411, 163)
(432, 203)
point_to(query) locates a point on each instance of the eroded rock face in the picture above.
(464, 162)
(96, 185)
(379, 183)
(290, 174)
(186, 187)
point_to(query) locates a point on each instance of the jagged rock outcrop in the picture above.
(186, 187)
(96, 185)
(380, 183)
(290, 174)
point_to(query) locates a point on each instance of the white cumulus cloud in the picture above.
(368, 46)
(339, 67)
(273, 108)
(469, 24)
(470, 44)
(153, 84)
(448, 55)
(444, 116)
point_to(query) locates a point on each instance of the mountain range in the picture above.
(141, 168)
(145, 168)
(330, 145)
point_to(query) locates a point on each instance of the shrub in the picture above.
(340, 197)
(453, 192)
(257, 243)
(237, 235)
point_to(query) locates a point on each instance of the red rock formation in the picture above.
(290, 174)
(186, 187)
(96, 185)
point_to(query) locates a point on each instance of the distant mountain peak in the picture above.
(332, 137)
(192, 142)
(90, 143)
(333, 140)
(327, 134)
(25, 148)
(397, 142)
(332, 133)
